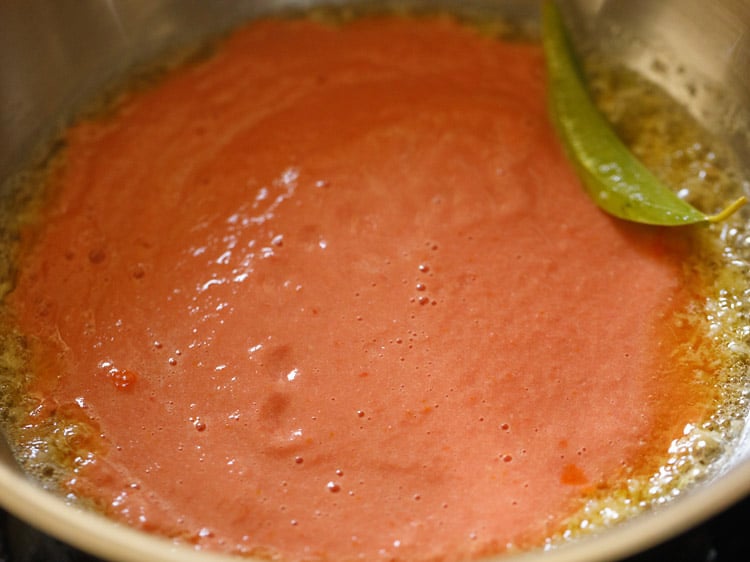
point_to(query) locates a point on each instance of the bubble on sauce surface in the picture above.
(123, 379)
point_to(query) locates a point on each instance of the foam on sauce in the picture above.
(335, 293)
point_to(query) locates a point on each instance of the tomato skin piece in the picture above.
(617, 181)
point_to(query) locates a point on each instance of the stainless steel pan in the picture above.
(55, 55)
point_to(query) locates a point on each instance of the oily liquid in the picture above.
(669, 141)
(65, 441)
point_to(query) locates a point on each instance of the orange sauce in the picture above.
(335, 293)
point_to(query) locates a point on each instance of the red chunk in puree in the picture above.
(336, 293)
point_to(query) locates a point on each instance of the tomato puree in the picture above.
(335, 293)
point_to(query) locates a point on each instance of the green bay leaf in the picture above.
(616, 180)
